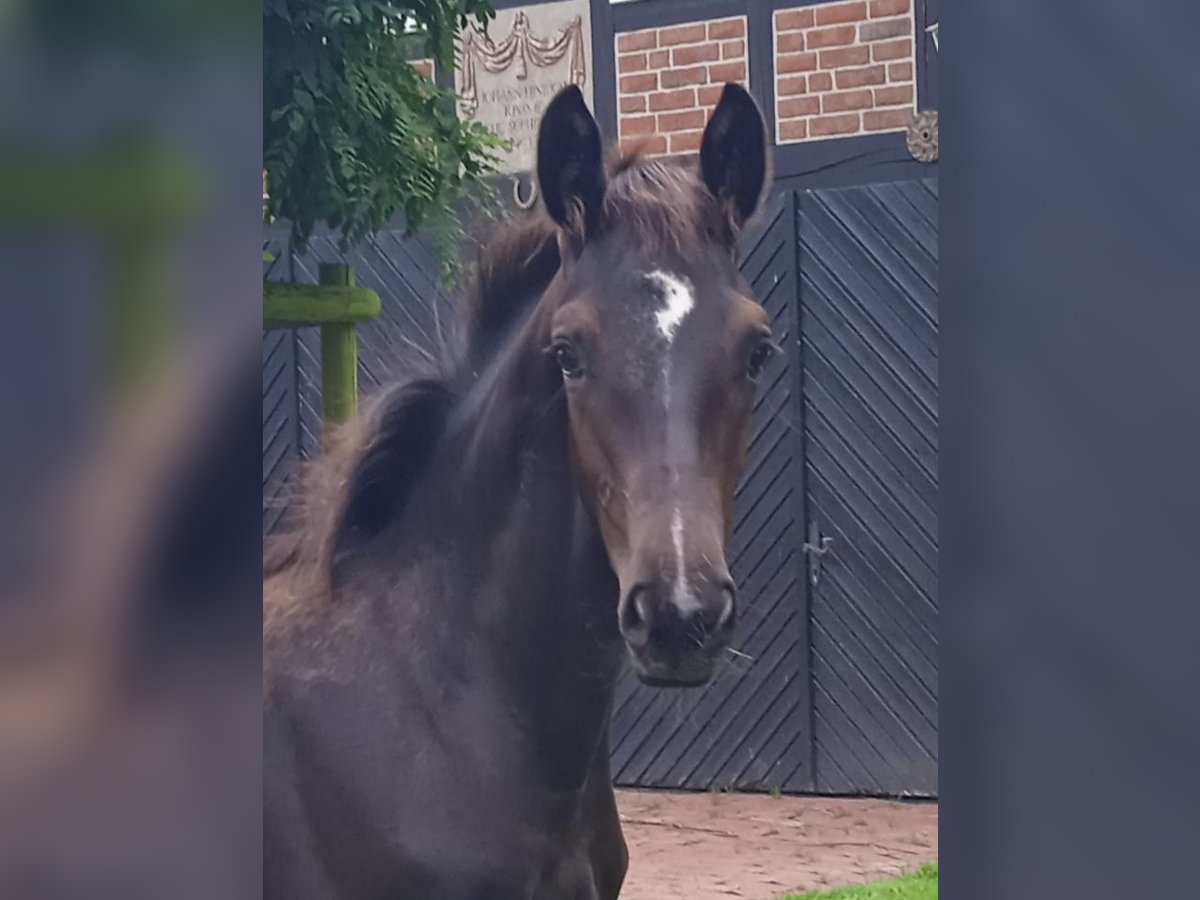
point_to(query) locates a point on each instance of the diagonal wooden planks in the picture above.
(868, 300)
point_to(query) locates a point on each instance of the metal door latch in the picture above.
(816, 547)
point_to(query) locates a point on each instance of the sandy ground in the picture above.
(701, 846)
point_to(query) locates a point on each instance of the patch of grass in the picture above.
(920, 885)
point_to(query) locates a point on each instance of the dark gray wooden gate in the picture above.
(286, 437)
(868, 325)
(834, 687)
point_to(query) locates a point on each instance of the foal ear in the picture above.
(570, 162)
(733, 154)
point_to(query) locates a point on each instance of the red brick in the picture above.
(631, 62)
(881, 31)
(852, 78)
(671, 78)
(730, 49)
(731, 71)
(708, 96)
(845, 56)
(633, 104)
(786, 20)
(424, 66)
(892, 50)
(820, 81)
(886, 119)
(632, 125)
(844, 100)
(830, 37)
(637, 40)
(730, 28)
(799, 106)
(649, 147)
(681, 34)
(795, 130)
(681, 99)
(688, 120)
(660, 59)
(688, 142)
(829, 125)
(894, 96)
(789, 42)
(900, 72)
(635, 84)
(880, 8)
(833, 13)
(795, 62)
(786, 87)
(689, 56)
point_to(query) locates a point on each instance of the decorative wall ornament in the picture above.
(923, 136)
(519, 49)
(933, 33)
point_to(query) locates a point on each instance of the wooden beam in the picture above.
(286, 305)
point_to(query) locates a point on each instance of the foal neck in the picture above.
(549, 595)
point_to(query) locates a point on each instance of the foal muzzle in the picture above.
(676, 632)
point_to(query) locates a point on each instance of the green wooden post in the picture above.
(339, 356)
(335, 306)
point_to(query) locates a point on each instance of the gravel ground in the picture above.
(685, 846)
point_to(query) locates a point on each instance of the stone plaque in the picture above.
(506, 77)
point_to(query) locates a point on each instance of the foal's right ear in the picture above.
(570, 163)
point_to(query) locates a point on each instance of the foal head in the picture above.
(658, 342)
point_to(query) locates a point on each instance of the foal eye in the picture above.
(567, 359)
(758, 359)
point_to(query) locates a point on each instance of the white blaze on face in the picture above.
(678, 301)
(683, 597)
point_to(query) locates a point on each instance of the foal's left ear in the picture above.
(570, 162)
(733, 154)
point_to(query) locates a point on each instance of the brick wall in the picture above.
(843, 69)
(424, 66)
(669, 79)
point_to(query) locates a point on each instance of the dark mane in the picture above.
(513, 269)
(354, 489)
(664, 206)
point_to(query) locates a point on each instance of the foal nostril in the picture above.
(727, 613)
(635, 617)
(719, 617)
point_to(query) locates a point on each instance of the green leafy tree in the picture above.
(354, 134)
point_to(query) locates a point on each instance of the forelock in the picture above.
(664, 206)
